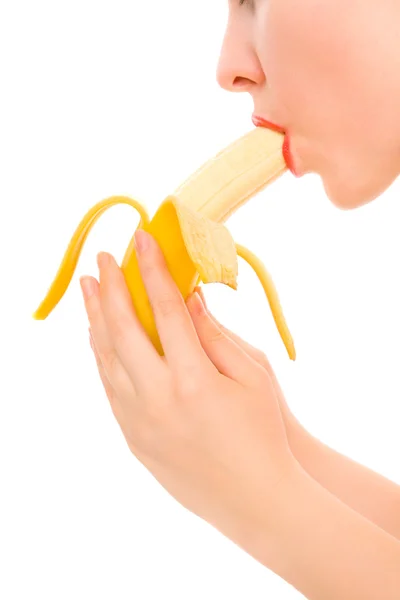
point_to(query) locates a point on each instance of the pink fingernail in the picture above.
(142, 240)
(103, 259)
(196, 304)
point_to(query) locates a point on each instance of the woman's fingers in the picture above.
(255, 353)
(113, 369)
(109, 390)
(127, 335)
(174, 325)
(229, 358)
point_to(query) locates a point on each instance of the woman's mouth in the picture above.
(260, 122)
(286, 151)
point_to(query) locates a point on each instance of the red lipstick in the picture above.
(260, 122)
(287, 155)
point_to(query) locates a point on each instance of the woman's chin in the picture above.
(352, 192)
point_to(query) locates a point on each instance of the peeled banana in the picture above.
(188, 227)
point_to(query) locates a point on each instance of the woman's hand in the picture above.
(365, 491)
(294, 430)
(204, 418)
(206, 421)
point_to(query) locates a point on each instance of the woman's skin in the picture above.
(209, 419)
(329, 72)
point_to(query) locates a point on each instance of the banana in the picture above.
(189, 227)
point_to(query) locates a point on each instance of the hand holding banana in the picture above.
(204, 418)
(188, 227)
(203, 411)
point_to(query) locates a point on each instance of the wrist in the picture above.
(302, 444)
(313, 542)
(257, 533)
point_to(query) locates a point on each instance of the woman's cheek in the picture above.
(305, 56)
(285, 52)
(319, 91)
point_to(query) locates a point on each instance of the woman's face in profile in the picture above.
(327, 71)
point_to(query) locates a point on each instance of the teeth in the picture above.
(189, 229)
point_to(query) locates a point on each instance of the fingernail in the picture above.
(195, 303)
(103, 259)
(200, 292)
(142, 240)
(87, 286)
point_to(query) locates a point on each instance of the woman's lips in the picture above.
(260, 122)
(287, 155)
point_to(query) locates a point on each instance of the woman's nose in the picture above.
(239, 69)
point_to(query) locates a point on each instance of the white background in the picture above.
(103, 98)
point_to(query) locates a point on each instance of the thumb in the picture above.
(230, 359)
